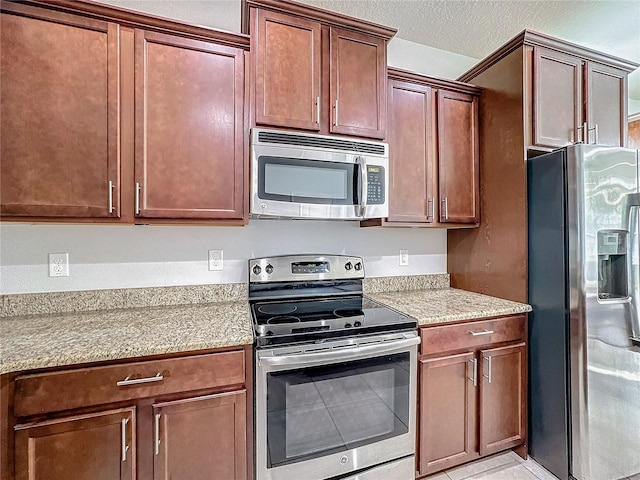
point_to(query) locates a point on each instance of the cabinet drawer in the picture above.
(50, 392)
(472, 334)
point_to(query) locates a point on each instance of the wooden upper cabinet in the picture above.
(358, 79)
(458, 157)
(411, 152)
(557, 98)
(202, 437)
(59, 114)
(503, 397)
(189, 160)
(96, 446)
(287, 71)
(606, 109)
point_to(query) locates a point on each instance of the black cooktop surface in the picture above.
(316, 319)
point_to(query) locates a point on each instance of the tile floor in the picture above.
(504, 466)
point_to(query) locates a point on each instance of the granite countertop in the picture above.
(434, 307)
(39, 341)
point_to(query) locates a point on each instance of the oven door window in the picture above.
(307, 181)
(317, 411)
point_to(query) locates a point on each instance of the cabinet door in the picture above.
(411, 151)
(58, 114)
(606, 95)
(358, 84)
(447, 431)
(189, 128)
(458, 177)
(557, 98)
(97, 446)
(202, 437)
(503, 398)
(287, 71)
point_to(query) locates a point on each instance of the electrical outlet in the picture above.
(404, 257)
(215, 260)
(58, 264)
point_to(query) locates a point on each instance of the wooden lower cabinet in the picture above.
(154, 432)
(201, 438)
(472, 399)
(97, 446)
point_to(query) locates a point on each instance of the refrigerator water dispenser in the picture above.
(613, 283)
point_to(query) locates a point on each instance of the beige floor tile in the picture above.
(438, 476)
(514, 471)
(538, 470)
(477, 469)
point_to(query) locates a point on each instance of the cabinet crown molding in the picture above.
(320, 15)
(531, 38)
(429, 81)
(132, 18)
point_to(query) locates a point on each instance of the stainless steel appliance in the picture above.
(301, 175)
(335, 378)
(583, 331)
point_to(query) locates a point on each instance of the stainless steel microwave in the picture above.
(300, 175)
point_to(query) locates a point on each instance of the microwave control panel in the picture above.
(375, 185)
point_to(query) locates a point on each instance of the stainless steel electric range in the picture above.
(335, 373)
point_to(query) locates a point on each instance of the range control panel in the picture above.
(375, 185)
(305, 267)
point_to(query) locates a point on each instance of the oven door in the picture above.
(333, 408)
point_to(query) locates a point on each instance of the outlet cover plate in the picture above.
(404, 257)
(58, 264)
(216, 259)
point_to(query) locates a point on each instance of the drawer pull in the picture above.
(137, 381)
(481, 332)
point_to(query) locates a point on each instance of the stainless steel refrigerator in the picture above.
(584, 332)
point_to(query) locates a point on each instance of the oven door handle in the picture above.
(344, 354)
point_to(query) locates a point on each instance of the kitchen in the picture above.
(156, 256)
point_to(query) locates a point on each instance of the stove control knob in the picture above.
(269, 269)
(348, 266)
(358, 266)
(357, 324)
(347, 325)
(257, 270)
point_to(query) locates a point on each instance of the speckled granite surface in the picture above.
(38, 341)
(409, 282)
(431, 307)
(83, 301)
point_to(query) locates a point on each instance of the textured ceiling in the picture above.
(474, 28)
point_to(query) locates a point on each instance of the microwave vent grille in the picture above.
(322, 142)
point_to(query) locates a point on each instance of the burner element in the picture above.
(283, 319)
(277, 308)
(347, 312)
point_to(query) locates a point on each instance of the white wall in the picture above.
(107, 256)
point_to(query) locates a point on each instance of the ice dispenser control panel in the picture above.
(613, 283)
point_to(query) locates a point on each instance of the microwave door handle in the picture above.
(363, 186)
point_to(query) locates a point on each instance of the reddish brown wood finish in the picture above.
(202, 437)
(287, 71)
(503, 400)
(557, 98)
(411, 153)
(58, 114)
(634, 134)
(448, 412)
(606, 104)
(493, 258)
(472, 334)
(189, 125)
(56, 391)
(82, 447)
(458, 157)
(358, 84)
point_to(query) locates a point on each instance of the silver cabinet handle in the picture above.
(156, 432)
(585, 133)
(137, 198)
(125, 447)
(445, 203)
(579, 139)
(481, 332)
(432, 209)
(335, 121)
(137, 381)
(595, 131)
(318, 110)
(111, 187)
(488, 375)
(474, 362)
